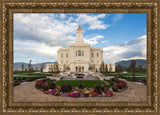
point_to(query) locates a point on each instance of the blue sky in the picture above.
(39, 36)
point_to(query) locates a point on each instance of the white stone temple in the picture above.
(81, 57)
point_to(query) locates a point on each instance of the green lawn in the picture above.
(138, 74)
(75, 83)
(33, 74)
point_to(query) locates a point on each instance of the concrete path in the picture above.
(27, 93)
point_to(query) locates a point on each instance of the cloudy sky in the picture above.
(39, 36)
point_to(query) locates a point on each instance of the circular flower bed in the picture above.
(119, 85)
(49, 87)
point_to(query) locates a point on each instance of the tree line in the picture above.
(104, 68)
(30, 68)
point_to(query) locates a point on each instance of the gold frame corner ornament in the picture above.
(10, 7)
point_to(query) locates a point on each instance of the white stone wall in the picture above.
(62, 58)
(110, 65)
(96, 58)
(74, 60)
(48, 67)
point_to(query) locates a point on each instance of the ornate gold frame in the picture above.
(8, 7)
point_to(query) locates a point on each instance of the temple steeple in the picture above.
(79, 41)
(79, 28)
(79, 34)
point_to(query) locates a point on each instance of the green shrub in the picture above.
(49, 81)
(115, 88)
(66, 88)
(120, 87)
(16, 83)
(45, 86)
(111, 83)
(105, 87)
(52, 85)
(99, 89)
(81, 86)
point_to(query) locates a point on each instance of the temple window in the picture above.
(76, 53)
(92, 54)
(61, 54)
(82, 53)
(79, 52)
(97, 54)
(66, 54)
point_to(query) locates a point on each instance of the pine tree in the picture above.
(29, 67)
(106, 69)
(22, 68)
(133, 67)
(42, 67)
(118, 68)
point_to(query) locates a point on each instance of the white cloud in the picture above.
(135, 49)
(62, 16)
(51, 31)
(93, 40)
(117, 17)
(92, 20)
(44, 29)
(101, 16)
(29, 48)
(105, 41)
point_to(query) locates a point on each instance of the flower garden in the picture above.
(106, 89)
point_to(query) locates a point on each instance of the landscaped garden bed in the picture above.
(119, 85)
(21, 77)
(79, 88)
(19, 80)
(116, 85)
(135, 79)
(139, 77)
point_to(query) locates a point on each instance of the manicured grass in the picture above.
(33, 74)
(125, 74)
(75, 83)
(136, 79)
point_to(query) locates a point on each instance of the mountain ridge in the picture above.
(127, 63)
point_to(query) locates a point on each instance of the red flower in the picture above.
(110, 92)
(39, 83)
(46, 92)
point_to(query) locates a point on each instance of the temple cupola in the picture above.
(79, 34)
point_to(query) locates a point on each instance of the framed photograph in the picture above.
(86, 57)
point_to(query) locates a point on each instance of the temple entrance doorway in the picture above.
(79, 69)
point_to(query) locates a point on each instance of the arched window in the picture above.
(76, 52)
(79, 52)
(61, 54)
(82, 53)
(92, 54)
(97, 54)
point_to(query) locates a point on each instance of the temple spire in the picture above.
(79, 28)
(79, 34)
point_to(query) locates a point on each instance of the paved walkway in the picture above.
(27, 93)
